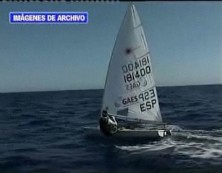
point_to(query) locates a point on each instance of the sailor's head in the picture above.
(106, 108)
(104, 113)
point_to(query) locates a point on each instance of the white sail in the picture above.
(130, 88)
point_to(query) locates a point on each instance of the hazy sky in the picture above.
(185, 40)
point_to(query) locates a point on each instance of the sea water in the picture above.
(43, 132)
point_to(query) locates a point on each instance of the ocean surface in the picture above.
(43, 132)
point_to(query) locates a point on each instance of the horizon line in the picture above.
(61, 90)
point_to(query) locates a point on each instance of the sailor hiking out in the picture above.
(107, 123)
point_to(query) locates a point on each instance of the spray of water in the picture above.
(192, 143)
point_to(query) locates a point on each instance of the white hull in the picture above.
(130, 134)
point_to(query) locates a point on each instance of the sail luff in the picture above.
(112, 58)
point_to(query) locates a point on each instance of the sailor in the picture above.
(108, 124)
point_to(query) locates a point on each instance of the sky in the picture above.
(184, 38)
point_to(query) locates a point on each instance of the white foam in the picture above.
(195, 144)
(174, 128)
(143, 147)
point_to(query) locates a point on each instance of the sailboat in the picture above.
(130, 94)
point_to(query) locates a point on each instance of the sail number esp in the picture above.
(148, 99)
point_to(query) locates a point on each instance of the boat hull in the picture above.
(142, 133)
(131, 134)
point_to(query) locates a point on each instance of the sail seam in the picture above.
(139, 25)
(147, 53)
